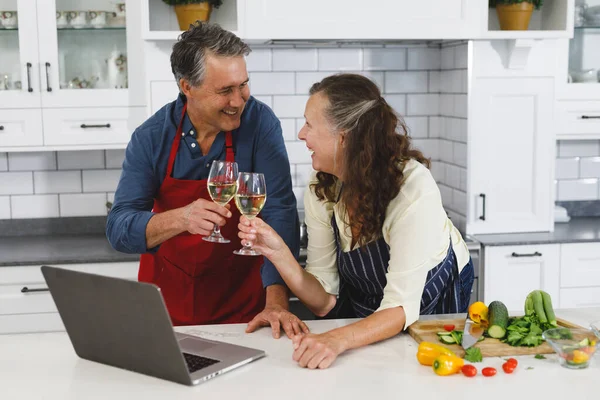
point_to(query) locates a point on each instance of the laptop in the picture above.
(125, 324)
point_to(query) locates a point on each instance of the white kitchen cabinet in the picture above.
(580, 275)
(27, 306)
(21, 127)
(356, 19)
(578, 119)
(511, 155)
(512, 272)
(58, 57)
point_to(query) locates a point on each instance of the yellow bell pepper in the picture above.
(428, 352)
(478, 312)
(580, 357)
(447, 365)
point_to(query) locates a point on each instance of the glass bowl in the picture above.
(595, 327)
(574, 347)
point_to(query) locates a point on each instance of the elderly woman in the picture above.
(381, 246)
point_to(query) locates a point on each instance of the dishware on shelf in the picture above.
(222, 186)
(119, 15)
(116, 70)
(580, 10)
(584, 76)
(592, 16)
(5, 81)
(62, 19)
(98, 19)
(250, 198)
(9, 19)
(574, 347)
(78, 19)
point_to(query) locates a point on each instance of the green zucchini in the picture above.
(498, 319)
(547, 301)
(448, 339)
(538, 306)
(444, 333)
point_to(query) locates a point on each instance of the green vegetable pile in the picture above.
(473, 354)
(539, 316)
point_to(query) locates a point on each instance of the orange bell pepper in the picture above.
(428, 352)
(478, 312)
(447, 365)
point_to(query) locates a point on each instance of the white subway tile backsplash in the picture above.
(578, 189)
(115, 158)
(105, 180)
(345, 59)
(259, 60)
(377, 77)
(385, 59)
(16, 183)
(434, 81)
(34, 161)
(293, 174)
(84, 204)
(446, 151)
(452, 176)
(579, 148)
(423, 58)
(299, 124)
(303, 174)
(298, 153)
(461, 108)
(110, 196)
(446, 104)
(3, 162)
(567, 168)
(422, 104)
(406, 82)
(429, 147)
(4, 207)
(446, 193)
(460, 154)
(417, 126)
(82, 159)
(294, 59)
(288, 126)
(304, 80)
(459, 201)
(447, 58)
(268, 100)
(461, 56)
(463, 180)
(436, 125)
(456, 77)
(289, 106)
(590, 167)
(299, 193)
(57, 181)
(397, 102)
(38, 206)
(438, 171)
(267, 83)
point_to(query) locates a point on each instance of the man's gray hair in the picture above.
(188, 59)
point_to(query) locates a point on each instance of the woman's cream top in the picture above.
(416, 228)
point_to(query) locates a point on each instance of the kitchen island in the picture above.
(44, 366)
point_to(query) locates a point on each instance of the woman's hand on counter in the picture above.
(317, 350)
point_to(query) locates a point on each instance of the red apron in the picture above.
(202, 282)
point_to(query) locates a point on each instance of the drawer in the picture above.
(21, 128)
(84, 126)
(14, 301)
(25, 275)
(30, 323)
(580, 265)
(578, 119)
(580, 297)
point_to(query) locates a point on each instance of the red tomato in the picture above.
(449, 327)
(508, 367)
(512, 362)
(488, 371)
(469, 370)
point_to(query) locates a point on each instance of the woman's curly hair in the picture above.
(376, 149)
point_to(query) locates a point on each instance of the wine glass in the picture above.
(222, 185)
(250, 199)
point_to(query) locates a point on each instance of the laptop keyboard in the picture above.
(196, 363)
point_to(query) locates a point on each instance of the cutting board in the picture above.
(427, 331)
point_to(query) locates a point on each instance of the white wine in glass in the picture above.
(222, 186)
(250, 198)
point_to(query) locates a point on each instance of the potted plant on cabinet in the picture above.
(514, 15)
(190, 11)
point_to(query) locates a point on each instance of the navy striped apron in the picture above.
(362, 280)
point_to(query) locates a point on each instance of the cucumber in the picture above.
(498, 319)
(538, 305)
(447, 339)
(547, 300)
(529, 305)
(584, 343)
(444, 333)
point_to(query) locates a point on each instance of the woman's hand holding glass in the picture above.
(250, 198)
(260, 236)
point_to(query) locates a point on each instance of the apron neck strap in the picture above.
(229, 155)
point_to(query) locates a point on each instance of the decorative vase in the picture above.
(187, 14)
(514, 17)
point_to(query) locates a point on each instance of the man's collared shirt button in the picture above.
(207, 165)
(193, 145)
(192, 132)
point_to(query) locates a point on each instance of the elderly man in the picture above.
(162, 208)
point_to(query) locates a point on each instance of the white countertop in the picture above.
(44, 366)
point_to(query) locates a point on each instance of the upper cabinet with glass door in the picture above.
(84, 53)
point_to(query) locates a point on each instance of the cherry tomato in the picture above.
(508, 367)
(469, 370)
(512, 362)
(449, 327)
(488, 371)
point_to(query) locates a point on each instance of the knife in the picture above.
(471, 333)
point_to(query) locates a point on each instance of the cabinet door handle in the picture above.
(29, 88)
(48, 88)
(1, 127)
(85, 126)
(536, 254)
(27, 290)
(590, 117)
(482, 216)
